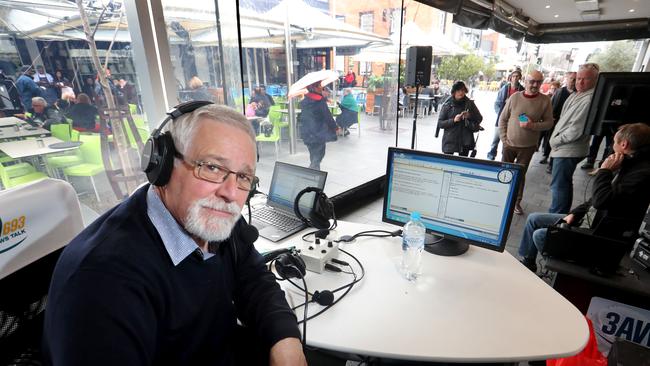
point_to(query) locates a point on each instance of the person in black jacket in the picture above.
(83, 114)
(317, 126)
(620, 191)
(163, 277)
(460, 118)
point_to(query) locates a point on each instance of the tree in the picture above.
(460, 67)
(619, 56)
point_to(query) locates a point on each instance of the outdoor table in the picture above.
(32, 149)
(10, 133)
(10, 121)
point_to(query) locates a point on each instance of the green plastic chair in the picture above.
(61, 131)
(139, 121)
(144, 134)
(92, 164)
(9, 180)
(274, 138)
(74, 135)
(133, 109)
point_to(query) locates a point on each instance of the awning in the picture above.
(519, 24)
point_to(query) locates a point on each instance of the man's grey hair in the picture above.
(637, 134)
(184, 127)
(40, 100)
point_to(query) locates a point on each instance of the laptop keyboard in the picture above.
(277, 219)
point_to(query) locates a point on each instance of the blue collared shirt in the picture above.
(178, 243)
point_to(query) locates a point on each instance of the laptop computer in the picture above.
(276, 219)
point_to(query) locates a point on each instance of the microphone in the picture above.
(324, 298)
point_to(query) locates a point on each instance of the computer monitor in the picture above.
(463, 200)
(619, 98)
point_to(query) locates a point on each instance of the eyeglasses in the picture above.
(590, 65)
(216, 173)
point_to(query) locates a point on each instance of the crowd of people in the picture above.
(543, 113)
(48, 99)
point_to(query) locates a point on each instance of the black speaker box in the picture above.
(418, 65)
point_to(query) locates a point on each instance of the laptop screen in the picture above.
(288, 180)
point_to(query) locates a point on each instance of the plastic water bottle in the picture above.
(412, 245)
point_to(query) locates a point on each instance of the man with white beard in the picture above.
(162, 278)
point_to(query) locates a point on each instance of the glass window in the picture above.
(46, 48)
(366, 21)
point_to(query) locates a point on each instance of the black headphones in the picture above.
(158, 155)
(320, 215)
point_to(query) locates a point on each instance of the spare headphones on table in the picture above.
(158, 155)
(322, 212)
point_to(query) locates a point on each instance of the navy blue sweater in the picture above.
(117, 299)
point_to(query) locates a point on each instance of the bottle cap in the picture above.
(415, 215)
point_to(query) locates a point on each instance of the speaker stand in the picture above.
(415, 114)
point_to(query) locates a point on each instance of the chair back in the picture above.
(5, 180)
(40, 219)
(61, 131)
(90, 150)
(74, 135)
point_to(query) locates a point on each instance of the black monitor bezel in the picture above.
(603, 91)
(502, 245)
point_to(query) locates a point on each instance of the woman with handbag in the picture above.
(459, 118)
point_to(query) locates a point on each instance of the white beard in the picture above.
(211, 228)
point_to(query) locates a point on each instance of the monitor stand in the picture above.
(444, 246)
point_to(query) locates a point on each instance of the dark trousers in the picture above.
(546, 138)
(519, 155)
(595, 145)
(316, 154)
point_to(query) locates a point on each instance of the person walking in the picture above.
(317, 126)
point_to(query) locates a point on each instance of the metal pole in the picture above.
(257, 74)
(224, 85)
(292, 113)
(641, 55)
(264, 66)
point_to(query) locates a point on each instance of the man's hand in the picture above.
(287, 351)
(569, 218)
(613, 162)
(458, 117)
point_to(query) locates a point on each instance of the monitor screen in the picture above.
(468, 201)
(619, 98)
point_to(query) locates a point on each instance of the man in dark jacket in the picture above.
(162, 278)
(459, 118)
(27, 88)
(317, 126)
(620, 191)
(504, 93)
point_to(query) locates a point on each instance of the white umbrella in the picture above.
(324, 76)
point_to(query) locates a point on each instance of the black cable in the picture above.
(304, 314)
(348, 286)
(370, 233)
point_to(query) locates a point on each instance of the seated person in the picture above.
(67, 100)
(349, 111)
(250, 109)
(263, 101)
(42, 115)
(620, 190)
(83, 114)
(163, 277)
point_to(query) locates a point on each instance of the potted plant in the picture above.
(375, 88)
